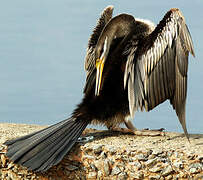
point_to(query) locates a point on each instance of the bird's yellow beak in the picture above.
(99, 67)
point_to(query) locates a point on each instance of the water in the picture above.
(42, 48)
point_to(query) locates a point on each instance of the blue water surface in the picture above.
(42, 50)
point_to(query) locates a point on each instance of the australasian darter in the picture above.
(130, 65)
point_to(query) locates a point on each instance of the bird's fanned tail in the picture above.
(45, 148)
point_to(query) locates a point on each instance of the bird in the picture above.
(130, 65)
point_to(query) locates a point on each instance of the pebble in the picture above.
(93, 167)
(103, 155)
(10, 165)
(196, 165)
(125, 158)
(195, 168)
(99, 174)
(151, 162)
(3, 160)
(97, 149)
(200, 157)
(169, 153)
(137, 175)
(152, 156)
(106, 167)
(169, 177)
(92, 175)
(122, 176)
(155, 169)
(178, 164)
(116, 170)
(112, 150)
(162, 159)
(71, 167)
(157, 151)
(137, 165)
(154, 177)
(140, 157)
(89, 157)
(98, 164)
(166, 171)
(176, 154)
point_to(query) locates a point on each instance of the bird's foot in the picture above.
(144, 132)
(123, 130)
(160, 129)
(147, 132)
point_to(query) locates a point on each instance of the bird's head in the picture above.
(121, 26)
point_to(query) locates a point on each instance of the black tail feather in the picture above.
(43, 149)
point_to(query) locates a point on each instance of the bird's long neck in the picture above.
(122, 26)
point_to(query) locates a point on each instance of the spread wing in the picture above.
(158, 70)
(90, 59)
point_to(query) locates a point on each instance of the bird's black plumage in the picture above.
(130, 65)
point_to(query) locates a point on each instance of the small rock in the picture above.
(140, 157)
(177, 177)
(169, 154)
(200, 157)
(169, 177)
(151, 162)
(11, 175)
(196, 168)
(71, 167)
(93, 167)
(3, 160)
(152, 156)
(99, 174)
(149, 152)
(112, 150)
(166, 171)
(162, 159)
(97, 149)
(10, 165)
(116, 170)
(132, 153)
(176, 154)
(92, 175)
(125, 158)
(157, 151)
(136, 175)
(98, 164)
(1, 148)
(154, 177)
(122, 176)
(178, 164)
(117, 157)
(155, 169)
(22, 172)
(137, 165)
(193, 170)
(196, 165)
(88, 157)
(103, 155)
(106, 167)
(111, 162)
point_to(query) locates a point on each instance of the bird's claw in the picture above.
(85, 139)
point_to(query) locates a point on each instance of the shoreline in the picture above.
(115, 156)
